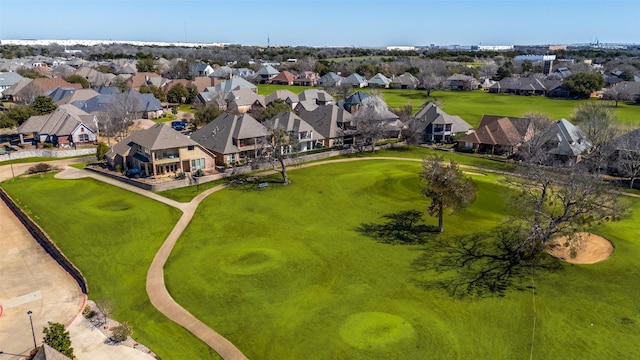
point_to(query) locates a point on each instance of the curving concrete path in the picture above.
(155, 285)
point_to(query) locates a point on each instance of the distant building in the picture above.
(401, 48)
(492, 47)
(557, 47)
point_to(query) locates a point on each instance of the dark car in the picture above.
(179, 125)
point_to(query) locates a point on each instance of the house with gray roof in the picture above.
(265, 74)
(287, 96)
(353, 102)
(160, 151)
(201, 70)
(304, 134)
(7, 79)
(244, 100)
(234, 139)
(232, 84)
(405, 81)
(244, 73)
(145, 106)
(333, 123)
(434, 125)
(462, 82)
(379, 81)
(526, 86)
(222, 73)
(318, 96)
(565, 141)
(11, 92)
(64, 127)
(330, 79)
(355, 80)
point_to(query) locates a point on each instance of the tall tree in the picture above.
(275, 107)
(58, 338)
(152, 89)
(177, 94)
(281, 146)
(206, 115)
(617, 94)
(598, 121)
(626, 155)
(446, 186)
(533, 150)
(433, 76)
(583, 84)
(146, 65)
(43, 105)
(555, 202)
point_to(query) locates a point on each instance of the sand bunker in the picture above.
(587, 248)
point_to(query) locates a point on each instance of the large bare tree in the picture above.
(433, 75)
(371, 122)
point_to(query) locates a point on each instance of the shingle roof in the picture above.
(218, 135)
(355, 79)
(223, 72)
(60, 122)
(233, 84)
(356, 98)
(330, 79)
(325, 119)
(282, 95)
(431, 114)
(289, 121)
(160, 136)
(139, 102)
(379, 79)
(285, 76)
(315, 95)
(499, 132)
(570, 140)
(46, 352)
(9, 78)
(268, 70)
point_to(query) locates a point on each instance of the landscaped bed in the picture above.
(283, 273)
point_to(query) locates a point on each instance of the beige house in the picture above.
(160, 151)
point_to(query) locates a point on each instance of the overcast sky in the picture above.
(326, 22)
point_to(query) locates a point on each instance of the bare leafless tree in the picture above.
(617, 94)
(533, 150)
(370, 122)
(433, 75)
(120, 113)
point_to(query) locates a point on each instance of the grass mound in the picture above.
(376, 331)
(251, 261)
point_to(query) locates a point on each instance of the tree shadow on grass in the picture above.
(245, 182)
(403, 227)
(480, 265)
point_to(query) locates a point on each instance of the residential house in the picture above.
(320, 97)
(330, 79)
(135, 104)
(354, 101)
(625, 159)
(201, 70)
(434, 125)
(145, 78)
(67, 96)
(94, 77)
(232, 84)
(379, 81)
(38, 87)
(526, 86)
(160, 151)
(355, 80)
(64, 127)
(287, 96)
(284, 78)
(405, 81)
(500, 135)
(203, 82)
(462, 82)
(392, 123)
(11, 92)
(7, 79)
(222, 73)
(306, 78)
(264, 75)
(563, 72)
(244, 100)
(333, 124)
(303, 133)
(565, 141)
(632, 88)
(232, 138)
(244, 73)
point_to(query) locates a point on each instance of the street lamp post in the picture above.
(32, 332)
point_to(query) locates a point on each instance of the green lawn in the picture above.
(39, 159)
(111, 235)
(472, 105)
(283, 274)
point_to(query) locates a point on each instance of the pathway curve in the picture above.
(155, 284)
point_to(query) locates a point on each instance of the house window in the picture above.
(191, 147)
(198, 164)
(83, 138)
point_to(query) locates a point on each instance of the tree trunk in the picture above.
(283, 172)
(633, 179)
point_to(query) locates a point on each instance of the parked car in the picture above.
(179, 125)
